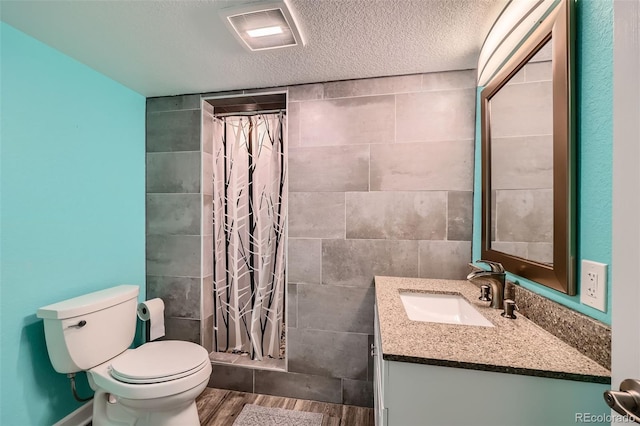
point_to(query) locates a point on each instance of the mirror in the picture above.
(522, 162)
(528, 195)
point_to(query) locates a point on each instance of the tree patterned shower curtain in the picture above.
(249, 219)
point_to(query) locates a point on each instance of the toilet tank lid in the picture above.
(88, 303)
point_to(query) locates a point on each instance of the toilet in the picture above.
(155, 384)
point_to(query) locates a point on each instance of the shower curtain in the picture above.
(249, 218)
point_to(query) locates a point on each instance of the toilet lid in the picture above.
(159, 362)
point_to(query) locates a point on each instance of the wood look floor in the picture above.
(218, 407)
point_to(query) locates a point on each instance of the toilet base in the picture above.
(158, 412)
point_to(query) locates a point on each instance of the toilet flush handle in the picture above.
(80, 324)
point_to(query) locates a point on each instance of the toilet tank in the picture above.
(91, 329)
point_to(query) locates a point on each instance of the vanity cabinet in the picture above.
(418, 394)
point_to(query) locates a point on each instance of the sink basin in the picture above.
(443, 308)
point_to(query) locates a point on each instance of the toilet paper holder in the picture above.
(152, 313)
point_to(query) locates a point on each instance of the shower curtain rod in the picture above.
(250, 113)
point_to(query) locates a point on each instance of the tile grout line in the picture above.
(321, 275)
(369, 177)
(395, 119)
(253, 380)
(418, 251)
(344, 197)
(446, 216)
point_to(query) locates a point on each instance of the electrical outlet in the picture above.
(593, 285)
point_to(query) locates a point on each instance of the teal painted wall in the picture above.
(594, 98)
(72, 203)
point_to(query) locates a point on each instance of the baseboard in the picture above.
(80, 417)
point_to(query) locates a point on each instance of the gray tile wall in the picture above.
(174, 213)
(380, 184)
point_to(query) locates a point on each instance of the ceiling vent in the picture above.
(263, 25)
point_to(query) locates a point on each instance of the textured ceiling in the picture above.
(174, 47)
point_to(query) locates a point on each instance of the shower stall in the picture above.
(249, 226)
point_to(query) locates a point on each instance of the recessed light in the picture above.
(263, 25)
(267, 31)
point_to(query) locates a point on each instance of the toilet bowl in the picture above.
(155, 384)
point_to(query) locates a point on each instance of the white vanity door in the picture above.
(380, 367)
(626, 193)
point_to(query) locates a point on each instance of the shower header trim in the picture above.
(249, 103)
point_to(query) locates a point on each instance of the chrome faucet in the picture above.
(495, 277)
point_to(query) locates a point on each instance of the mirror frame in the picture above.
(557, 27)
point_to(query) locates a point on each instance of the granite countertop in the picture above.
(512, 346)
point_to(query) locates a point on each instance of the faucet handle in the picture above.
(484, 293)
(495, 266)
(509, 309)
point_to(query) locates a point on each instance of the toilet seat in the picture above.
(171, 383)
(157, 362)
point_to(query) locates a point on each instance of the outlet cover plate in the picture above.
(593, 285)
